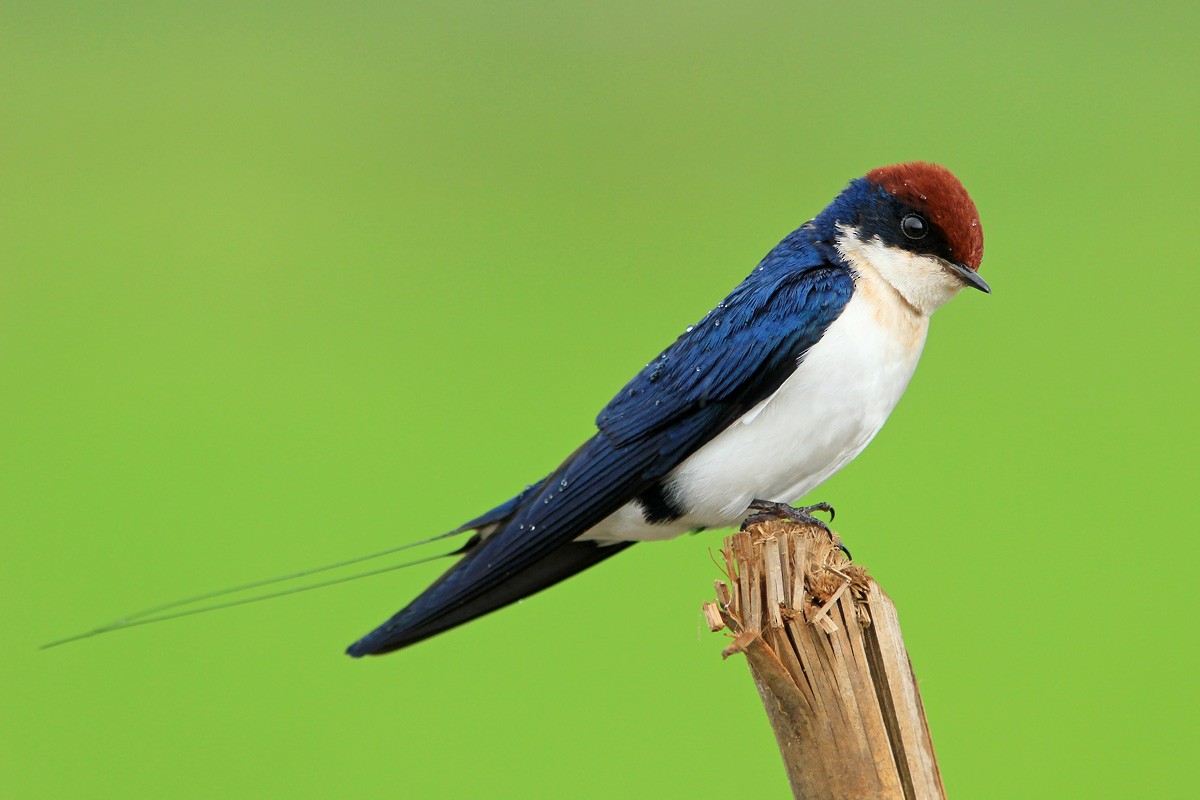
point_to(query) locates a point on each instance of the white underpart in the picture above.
(824, 414)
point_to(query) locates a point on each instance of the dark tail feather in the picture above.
(425, 617)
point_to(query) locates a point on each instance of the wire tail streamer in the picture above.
(155, 613)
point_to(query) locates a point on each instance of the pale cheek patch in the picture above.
(926, 284)
(920, 280)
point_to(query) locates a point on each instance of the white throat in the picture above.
(922, 281)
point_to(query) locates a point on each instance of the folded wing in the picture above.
(719, 369)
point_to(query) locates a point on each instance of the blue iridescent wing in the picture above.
(738, 355)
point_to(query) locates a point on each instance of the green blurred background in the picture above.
(285, 283)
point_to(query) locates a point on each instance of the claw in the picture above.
(769, 510)
(819, 507)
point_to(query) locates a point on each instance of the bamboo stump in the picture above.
(824, 648)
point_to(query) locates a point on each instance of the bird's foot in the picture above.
(767, 510)
(770, 510)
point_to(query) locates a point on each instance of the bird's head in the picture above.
(916, 226)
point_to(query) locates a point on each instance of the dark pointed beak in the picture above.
(969, 276)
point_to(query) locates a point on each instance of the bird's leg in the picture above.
(770, 510)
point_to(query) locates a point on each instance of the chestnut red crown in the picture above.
(933, 189)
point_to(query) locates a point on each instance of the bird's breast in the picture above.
(822, 416)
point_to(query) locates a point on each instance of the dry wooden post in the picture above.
(824, 647)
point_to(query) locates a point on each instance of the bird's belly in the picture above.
(822, 416)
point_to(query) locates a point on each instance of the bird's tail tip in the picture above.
(365, 646)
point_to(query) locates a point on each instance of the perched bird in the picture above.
(773, 391)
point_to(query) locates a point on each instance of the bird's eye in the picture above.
(914, 227)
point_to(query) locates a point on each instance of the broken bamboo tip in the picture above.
(824, 648)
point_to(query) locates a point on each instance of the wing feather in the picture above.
(736, 356)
